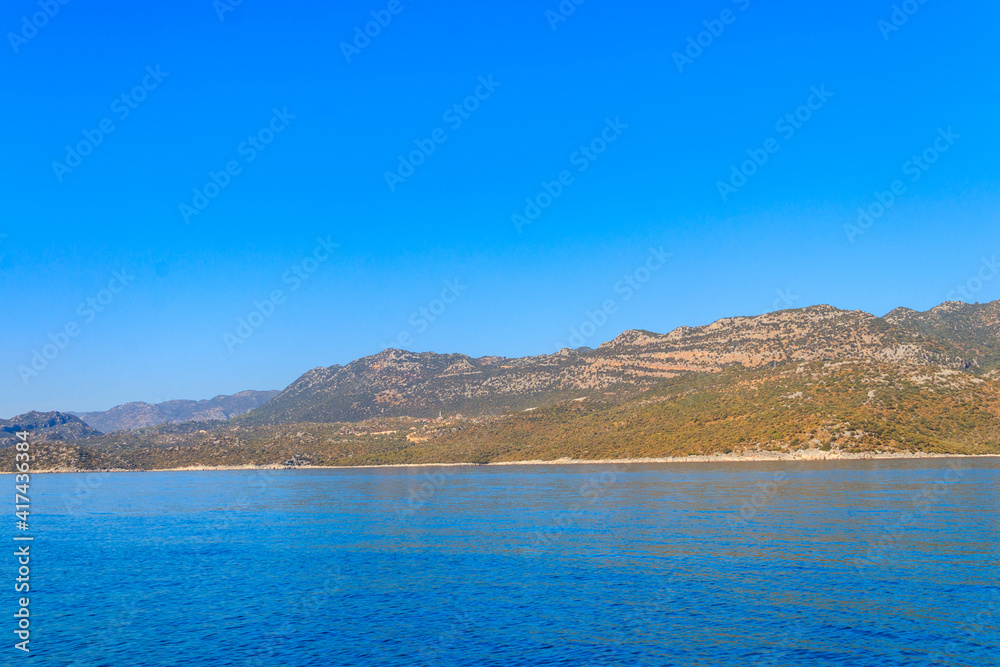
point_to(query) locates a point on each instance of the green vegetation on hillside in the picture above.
(853, 407)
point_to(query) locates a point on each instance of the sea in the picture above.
(861, 562)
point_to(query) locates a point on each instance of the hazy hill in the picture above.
(52, 426)
(141, 415)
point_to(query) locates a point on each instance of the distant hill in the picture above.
(400, 383)
(48, 426)
(141, 415)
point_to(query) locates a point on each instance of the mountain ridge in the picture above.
(397, 382)
(139, 414)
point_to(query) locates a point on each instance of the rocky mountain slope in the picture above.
(397, 383)
(141, 415)
(975, 328)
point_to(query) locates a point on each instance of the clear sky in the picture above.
(610, 117)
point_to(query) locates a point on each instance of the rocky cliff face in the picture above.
(396, 382)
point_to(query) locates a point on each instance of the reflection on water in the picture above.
(778, 563)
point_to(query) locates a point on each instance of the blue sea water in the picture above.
(885, 562)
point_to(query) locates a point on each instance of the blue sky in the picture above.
(355, 254)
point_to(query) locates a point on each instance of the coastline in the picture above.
(762, 457)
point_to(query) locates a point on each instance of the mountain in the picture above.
(142, 415)
(797, 410)
(810, 382)
(397, 383)
(48, 426)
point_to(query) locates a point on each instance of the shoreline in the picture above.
(763, 457)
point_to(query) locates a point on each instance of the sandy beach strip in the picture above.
(762, 457)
